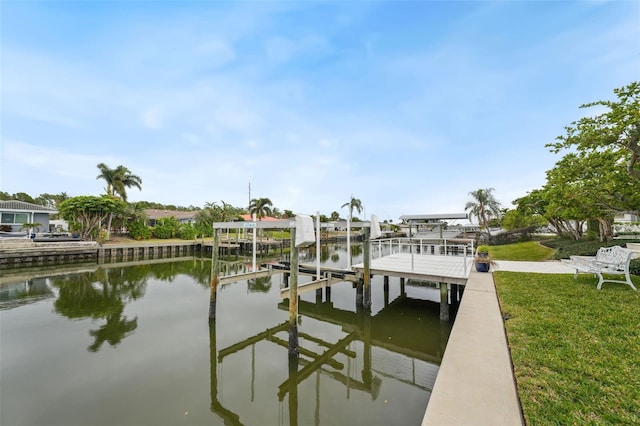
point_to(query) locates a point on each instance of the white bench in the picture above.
(608, 260)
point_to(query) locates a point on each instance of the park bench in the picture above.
(609, 260)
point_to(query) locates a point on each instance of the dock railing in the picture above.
(434, 247)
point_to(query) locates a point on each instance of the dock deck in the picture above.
(436, 268)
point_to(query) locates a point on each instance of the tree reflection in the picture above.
(101, 294)
(259, 285)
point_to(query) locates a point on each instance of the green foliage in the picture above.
(567, 247)
(187, 231)
(261, 207)
(482, 249)
(484, 206)
(166, 228)
(138, 230)
(118, 180)
(353, 204)
(87, 212)
(601, 172)
(102, 236)
(519, 218)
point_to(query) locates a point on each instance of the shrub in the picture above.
(138, 230)
(187, 231)
(166, 228)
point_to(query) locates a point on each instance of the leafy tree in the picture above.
(513, 219)
(261, 207)
(616, 130)
(484, 206)
(87, 212)
(23, 196)
(601, 174)
(335, 216)
(288, 214)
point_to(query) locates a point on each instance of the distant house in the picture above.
(626, 217)
(181, 216)
(249, 218)
(13, 214)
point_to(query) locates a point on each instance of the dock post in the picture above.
(215, 269)
(402, 290)
(386, 290)
(367, 268)
(444, 302)
(293, 298)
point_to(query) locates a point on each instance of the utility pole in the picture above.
(249, 195)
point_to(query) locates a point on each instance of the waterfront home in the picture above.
(13, 214)
(181, 216)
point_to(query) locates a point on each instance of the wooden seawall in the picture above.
(30, 253)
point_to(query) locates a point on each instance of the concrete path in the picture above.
(548, 267)
(475, 384)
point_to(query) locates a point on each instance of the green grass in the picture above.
(529, 250)
(575, 349)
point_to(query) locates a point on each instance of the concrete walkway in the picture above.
(475, 384)
(548, 267)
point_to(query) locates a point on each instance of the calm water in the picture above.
(132, 345)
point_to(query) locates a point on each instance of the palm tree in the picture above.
(354, 204)
(117, 180)
(261, 207)
(484, 206)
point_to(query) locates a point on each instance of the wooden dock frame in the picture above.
(293, 284)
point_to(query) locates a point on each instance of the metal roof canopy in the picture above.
(281, 224)
(433, 217)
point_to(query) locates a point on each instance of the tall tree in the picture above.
(617, 129)
(118, 180)
(484, 206)
(353, 204)
(261, 207)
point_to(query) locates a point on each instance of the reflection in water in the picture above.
(351, 359)
(259, 285)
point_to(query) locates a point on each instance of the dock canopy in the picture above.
(432, 218)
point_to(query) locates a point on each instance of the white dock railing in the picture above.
(437, 247)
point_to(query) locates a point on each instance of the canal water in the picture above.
(131, 344)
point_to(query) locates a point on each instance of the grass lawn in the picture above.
(575, 349)
(529, 250)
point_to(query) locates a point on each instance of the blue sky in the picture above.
(407, 105)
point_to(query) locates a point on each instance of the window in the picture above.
(14, 218)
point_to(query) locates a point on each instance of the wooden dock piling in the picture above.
(293, 299)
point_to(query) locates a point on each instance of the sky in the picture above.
(405, 105)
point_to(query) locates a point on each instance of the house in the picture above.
(181, 216)
(432, 225)
(626, 217)
(13, 214)
(249, 218)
